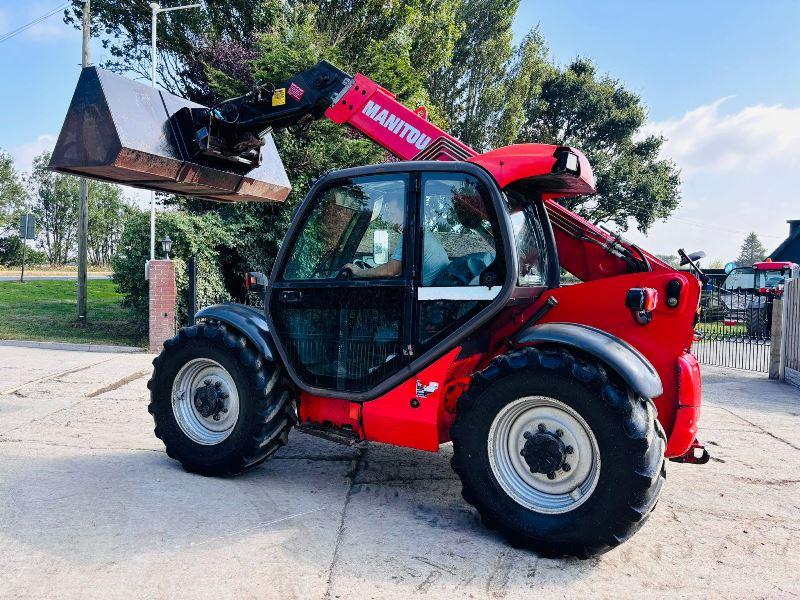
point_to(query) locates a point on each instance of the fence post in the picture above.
(192, 304)
(776, 349)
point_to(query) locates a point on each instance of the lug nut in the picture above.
(565, 467)
(559, 433)
(527, 435)
(216, 417)
(207, 381)
(225, 395)
(569, 449)
(551, 475)
(217, 384)
(542, 428)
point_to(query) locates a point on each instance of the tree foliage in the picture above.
(12, 194)
(456, 56)
(108, 210)
(54, 199)
(752, 251)
(202, 236)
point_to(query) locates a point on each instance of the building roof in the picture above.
(790, 247)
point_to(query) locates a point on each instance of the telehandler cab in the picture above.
(415, 303)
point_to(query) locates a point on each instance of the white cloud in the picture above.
(738, 172)
(24, 154)
(752, 139)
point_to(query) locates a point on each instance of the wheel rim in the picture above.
(205, 421)
(513, 448)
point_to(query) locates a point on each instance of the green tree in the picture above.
(470, 89)
(108, 210)
(55, 199)
(671, 259)
(752, 251)
(12, 194)
(577, 107)
(454, 55)
(202, 236)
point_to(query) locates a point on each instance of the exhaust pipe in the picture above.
(121, 131)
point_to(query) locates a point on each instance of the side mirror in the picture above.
(255, 281)
(380, 246)
(693, 257)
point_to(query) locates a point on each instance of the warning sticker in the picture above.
(296, 92)
(279, 97)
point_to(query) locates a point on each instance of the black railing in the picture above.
(734, 329)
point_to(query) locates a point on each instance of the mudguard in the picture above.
(627, 361)
(246, 319)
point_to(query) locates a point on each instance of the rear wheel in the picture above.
(757, 323)
(218, 406)
(555, 456)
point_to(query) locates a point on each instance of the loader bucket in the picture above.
(120, 130)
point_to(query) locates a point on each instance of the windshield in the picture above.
(741, 278)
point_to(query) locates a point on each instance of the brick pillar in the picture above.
(161, 277)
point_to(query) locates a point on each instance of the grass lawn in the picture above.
(46, 310)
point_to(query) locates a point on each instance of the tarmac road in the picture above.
(91, 507)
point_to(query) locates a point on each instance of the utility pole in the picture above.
(83, 213)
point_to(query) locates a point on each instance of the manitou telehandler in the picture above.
(415, 303)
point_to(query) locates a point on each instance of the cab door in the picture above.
(341, 299)
(461, 265)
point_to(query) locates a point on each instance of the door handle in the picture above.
(291, 296)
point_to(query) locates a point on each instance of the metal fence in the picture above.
(734, 329)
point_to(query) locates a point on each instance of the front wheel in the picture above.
(218, 406)
(556, 456)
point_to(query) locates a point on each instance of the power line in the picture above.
(7, 36)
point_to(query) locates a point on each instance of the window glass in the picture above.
(357, 225)
(458, 242)
(743, 278)
(529, 239)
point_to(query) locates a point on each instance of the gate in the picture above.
(734, 329)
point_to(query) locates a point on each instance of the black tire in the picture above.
(757, 323)
(630, 439)
(267, 409)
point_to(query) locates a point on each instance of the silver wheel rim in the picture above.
(193, 375)
(535, 491)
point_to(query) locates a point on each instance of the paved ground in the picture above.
(90, 506)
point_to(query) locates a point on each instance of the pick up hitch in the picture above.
(695, 455)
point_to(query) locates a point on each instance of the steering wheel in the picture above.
(362, 264)
(345, 274)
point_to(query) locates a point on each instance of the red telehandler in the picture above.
(415, 303)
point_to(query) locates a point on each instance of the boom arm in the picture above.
(231, 132)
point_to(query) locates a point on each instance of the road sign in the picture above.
(27, 227)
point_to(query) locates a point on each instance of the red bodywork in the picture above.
(404, 417)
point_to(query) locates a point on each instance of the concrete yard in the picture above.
(91, 507)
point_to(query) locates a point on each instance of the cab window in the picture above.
(459, 232)
(530, 241)
(356, 225)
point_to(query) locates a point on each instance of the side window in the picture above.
(357, 224)
(459, 236)
(529, 239)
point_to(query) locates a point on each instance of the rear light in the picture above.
(641, 299)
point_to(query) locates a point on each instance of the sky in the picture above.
(721, 81)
